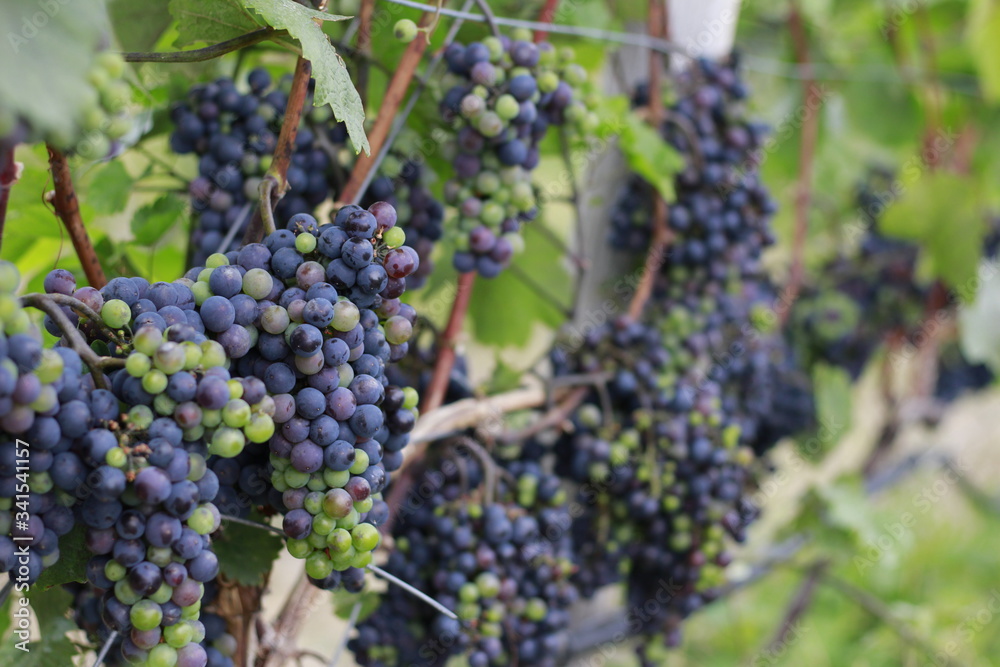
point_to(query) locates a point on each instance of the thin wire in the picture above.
(635, 39)
(355, 612)
(391, 578)
(253, 524)
(104, 649)
(400, 121)
(234, 229)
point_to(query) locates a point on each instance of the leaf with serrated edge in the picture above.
(333, 83)
(72, 563)
(211, 21)
(246, 553)
(153, 220)
(110, 188)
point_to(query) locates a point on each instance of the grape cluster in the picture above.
(503, 564)
(102, 118)
(663, 455)
(46, 403)
(507, 92)
(234, 135)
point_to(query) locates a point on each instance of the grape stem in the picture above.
(263, 220)
(798, 606)
(9, 173)
(84, 310)
(296, 608)
(96, 363)
(661, 233)
(206, 53)
(807, 150)
(547, 15)
(420, 595)
(491, 20)
(104, 649)
(68, 209)
(556, 416)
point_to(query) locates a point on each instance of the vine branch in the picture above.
(434, 394)
(68, 209)
(206, 53)
(807, 151)
(275, 183)
(547, 15)
(661, 237)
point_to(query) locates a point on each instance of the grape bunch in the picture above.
(45, 403)
(506, 93)
(234, 135)
(101, 120)
(502, 562)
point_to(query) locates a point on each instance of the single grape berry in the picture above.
(405, 30)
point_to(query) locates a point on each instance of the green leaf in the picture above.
(505, 377)
(54, 648)
(139, 25)
(333, 83)
(942, 213)
(211, 21)
(153, 220)
(505, 310)
(110, 188)
(983, 28)
(246, 553)
(832, 386)
(50, 48)
(72, 563)
(649, 155)
(343, 603)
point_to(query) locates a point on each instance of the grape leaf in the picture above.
(648, 155)
(832, 386)
(110, 188)
(139, 25)
(505, 310)
(153, 220)
(246, 553)
(72, 563)
(984, 45)
(333, 83)
(930, 212)
(211, 21)
(54, 648)
(51, 47)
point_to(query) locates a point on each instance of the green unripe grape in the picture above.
(346, 372)
(114, 570)
(318, 565)
(50, 367)
(260, 429)
(492, 214)
(323, 524)
(548, 82)
(162, 594)
(47, 400)
(365, 505)
(507, 107)
(345, 316)
(316, 541)
(159, 556)
(258, 282)
(162, 655)
(339, 540)
(191, 612)
(489, 124)
(360, 462)
(305, 243)
(10, 277)
(469, 592)
(178, 635)
(213, 354)
(295, 479)
(468, 611)
(336, 479)
(410, 398)
(298, 548)
(488, 584)
(405, 30)
(365, 537)
(155, 382)
(145, 614)
(227, 442)
(536, 610)
(138, 364)
(361, 560)
(215, 260)
(350, 521)
(192, 355)
(116, 313)
(201, 291)
(211, 418)
(116, 457)
(169, 358)
(236, 413)
(202, 521)
(394, 237)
